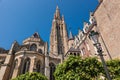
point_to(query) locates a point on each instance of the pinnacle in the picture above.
(57, 7)
(63, 17)
(70, 36)
(57, 13)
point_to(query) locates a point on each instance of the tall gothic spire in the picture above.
(58, 36)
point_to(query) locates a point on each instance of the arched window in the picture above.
(62, 29)
(38, 66)
(70, 53)
(40, 51)
(83, 51)
(33, 47)
(26, 65)
(52, 70)
(74, 54)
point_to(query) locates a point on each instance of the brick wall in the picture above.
(108, 22)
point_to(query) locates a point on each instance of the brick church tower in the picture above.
(58, 36)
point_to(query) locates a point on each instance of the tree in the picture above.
(31, 76)
(114, 68)
(76, 68)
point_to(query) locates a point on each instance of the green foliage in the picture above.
(114, 68)
(31, 76)
(76, 68)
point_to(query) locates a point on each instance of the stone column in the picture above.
(32, 61)
(16, 69)
(6, 67)
(47, 68)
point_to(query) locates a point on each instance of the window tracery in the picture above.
(52, 70)
(33, 47)
(26, 65)
(38, 66)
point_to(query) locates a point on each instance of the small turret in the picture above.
(71, 40)
(36, 35)
(71, 35)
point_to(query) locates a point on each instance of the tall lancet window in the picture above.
(38, 66)
(26, 65)
(52, 70)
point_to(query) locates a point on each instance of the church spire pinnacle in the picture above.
(71, 35)
(57, 7)
(57, 13)
(62, 17)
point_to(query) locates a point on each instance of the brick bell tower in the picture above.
(58, 36)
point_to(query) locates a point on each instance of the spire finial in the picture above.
(57, 7)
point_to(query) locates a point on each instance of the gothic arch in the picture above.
(52, 70)
(38, 66)
(26, 65)
(74, 54)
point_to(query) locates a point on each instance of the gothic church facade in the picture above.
(33, 54)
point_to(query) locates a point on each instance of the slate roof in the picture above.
(74, 50)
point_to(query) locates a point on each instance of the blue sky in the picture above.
(19, 19)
